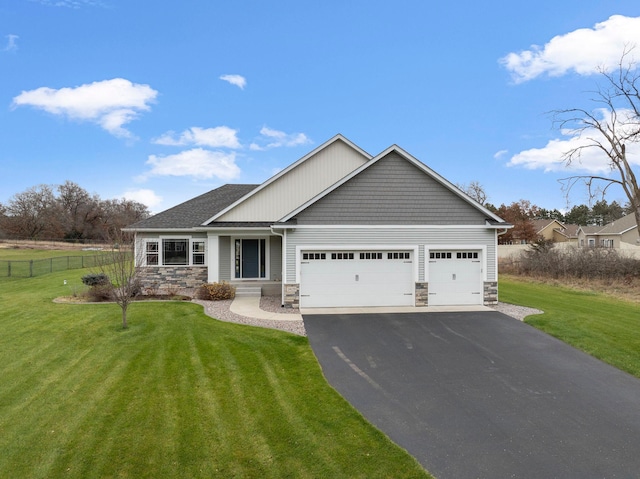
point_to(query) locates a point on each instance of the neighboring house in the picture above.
(620, 233)
(553, 230)
(336, 228)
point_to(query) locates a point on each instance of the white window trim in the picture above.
(160, 240)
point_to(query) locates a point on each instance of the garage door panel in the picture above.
(357, 282)
(455, 278)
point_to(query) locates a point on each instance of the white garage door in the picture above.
(356, 278)
(455, 278)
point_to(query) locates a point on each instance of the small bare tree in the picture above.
(119, 265)
(609, 129)
(474, 190)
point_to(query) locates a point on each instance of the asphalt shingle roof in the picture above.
(196, 211)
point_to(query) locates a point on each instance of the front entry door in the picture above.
(250, 258)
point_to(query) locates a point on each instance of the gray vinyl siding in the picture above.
(224, 266)
(392, 191)
(389, 236)
(275, 257)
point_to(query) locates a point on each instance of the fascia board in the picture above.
(280, 174)
(412, 160)
(161, 230)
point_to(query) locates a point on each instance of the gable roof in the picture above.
(616, 227)
(619, 226)
(542, 224)
(421, 166)
(194, 212)
(258, 194)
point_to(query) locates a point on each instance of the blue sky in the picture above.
(161, 101)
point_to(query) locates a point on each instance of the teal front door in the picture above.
(250, 258)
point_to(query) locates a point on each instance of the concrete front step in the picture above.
(249, 291)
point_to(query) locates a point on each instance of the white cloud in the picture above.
(12, 43)
(500, 154)
(109, 103)
(237, 80)
(198, 162)
(275, 139)
(592, 160)
(218, 137)
(582, 51)
(144, 196)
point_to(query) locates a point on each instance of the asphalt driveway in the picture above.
(482, 395)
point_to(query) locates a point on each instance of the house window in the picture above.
(592, 242)
(174, 252)
(198, 253)
(151, 252)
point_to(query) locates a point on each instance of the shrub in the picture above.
(95, 279)
(216, 291)
(100, 292)
(588, 263)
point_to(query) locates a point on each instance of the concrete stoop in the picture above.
(249, 291)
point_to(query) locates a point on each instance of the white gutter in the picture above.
(283, 272)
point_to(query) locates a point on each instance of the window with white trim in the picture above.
(151, 252)
(197, 248)
(175, 252)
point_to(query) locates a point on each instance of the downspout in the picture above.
(283, 271)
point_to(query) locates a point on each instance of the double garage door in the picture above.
(386, 278)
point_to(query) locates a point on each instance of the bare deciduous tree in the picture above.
(475, 190)
(609, 128)
(120, 267)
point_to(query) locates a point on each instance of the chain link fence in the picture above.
(38, 267)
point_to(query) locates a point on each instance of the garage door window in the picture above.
(440, 255)
(314, 256)
(341, 255)
(465, 255)
(373, 255)
(399, 255)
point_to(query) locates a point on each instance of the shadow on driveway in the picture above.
(481, 395)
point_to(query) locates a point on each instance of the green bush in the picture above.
(216, 291)
(95, 279)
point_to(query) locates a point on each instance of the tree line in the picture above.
(522, 213)
(66, 212)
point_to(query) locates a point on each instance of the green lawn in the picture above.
(603, 326)
(178, 394)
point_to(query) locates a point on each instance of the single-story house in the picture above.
(620, 233)
(337, 228)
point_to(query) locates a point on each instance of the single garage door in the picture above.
(455, 278)
(356, 278)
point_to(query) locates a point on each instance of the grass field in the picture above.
(601, 325)
(177, 395)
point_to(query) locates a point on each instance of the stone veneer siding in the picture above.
(422, 294)
(291, 295)
(491, 292)
(183, 277)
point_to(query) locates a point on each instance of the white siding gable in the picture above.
(306, 179)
